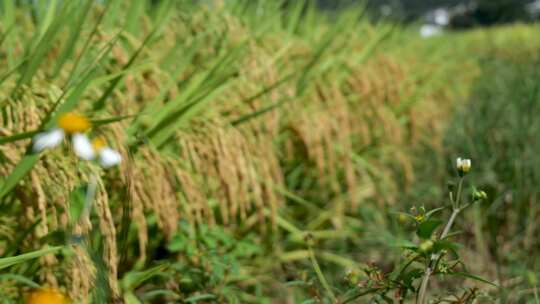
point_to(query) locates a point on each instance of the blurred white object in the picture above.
(534, 8)
(48, 140)
(109, 157)
(441, 17)
(386, 10)
(83, 147)
(430, 30)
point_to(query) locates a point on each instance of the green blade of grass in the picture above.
(199, 92)
(295, 15)
(10, 261)
(101, 102)
(19, 279)
(76, 30)
(44, 45)
(134, 13)
(8, 18)
(100, 19)
(17, 137)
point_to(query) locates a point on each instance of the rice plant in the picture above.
(218, 151)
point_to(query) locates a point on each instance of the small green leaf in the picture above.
(409, 277)
(104, 121)
(130, 298)
(446, 245)
(19, 279)
(10, 261)
(452, 234)
(159, 292)
(178, 243)
(426, 229)
(202, 297)
(393, 241)
(432, 212)
(134, 279)
(16, 137)
(471, 276)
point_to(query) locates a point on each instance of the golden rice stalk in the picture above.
(108, 230)
(82, 275)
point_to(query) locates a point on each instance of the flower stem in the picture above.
(421, 299)
(449, 224)
(320, 275)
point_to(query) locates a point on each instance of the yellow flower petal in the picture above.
(98, 143)
(47, 296)
(74, 123)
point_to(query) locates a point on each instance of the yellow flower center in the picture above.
(98, 143)
(73, 123)
(47, 296)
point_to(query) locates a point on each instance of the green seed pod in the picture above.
(403, 219)
(352, 276)
(479, 195)
(426, 246)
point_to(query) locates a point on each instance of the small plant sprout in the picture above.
(72, 124)
(434, 259)
(108, 157)
(432, 253)
(463, 165)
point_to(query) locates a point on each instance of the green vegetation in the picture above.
(271, 153)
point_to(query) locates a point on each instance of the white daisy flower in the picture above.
(72, 124)
(108, 157)
(463, 165)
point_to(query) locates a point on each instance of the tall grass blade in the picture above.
(10, 261)
(76, 31)
(101, 102)
(44, 45)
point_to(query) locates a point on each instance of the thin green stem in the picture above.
(89, 198)
(458, 195)
(320, 275)
(449, 224)
(456, 204)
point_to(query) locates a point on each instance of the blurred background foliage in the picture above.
(247, 125)
(467, 13)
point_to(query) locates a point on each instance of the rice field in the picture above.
(263, 152)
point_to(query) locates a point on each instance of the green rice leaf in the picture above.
(19, 279)
(10, 261)
(42, 48)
